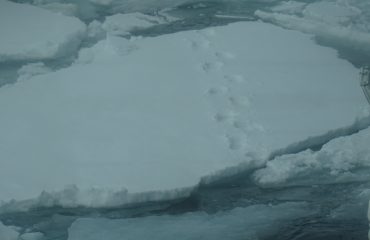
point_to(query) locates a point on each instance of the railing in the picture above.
(365, 82)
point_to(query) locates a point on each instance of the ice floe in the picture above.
(31, 33)
(152, 121)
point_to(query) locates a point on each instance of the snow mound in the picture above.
(30, 33)
(255, 222)
(155, 120)
(123, 24)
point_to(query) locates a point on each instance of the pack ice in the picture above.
(147, 118)
(344, 23)
(30, 33)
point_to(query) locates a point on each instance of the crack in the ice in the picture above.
(315, 143)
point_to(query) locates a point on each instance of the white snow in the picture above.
(8, 233)
(147, 118)
(32, 69)
(251, 223)
(342, 159)
(30, 33)
(122, 24)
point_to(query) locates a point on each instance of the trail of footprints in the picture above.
(221, 90)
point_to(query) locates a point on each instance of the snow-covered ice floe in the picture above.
(31, 33)
(342, 22)
(251, 223)
(146, 118)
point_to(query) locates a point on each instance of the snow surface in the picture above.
(8, 233)
(147, 118)
(251, 223)
(123, 24)
(31, 33)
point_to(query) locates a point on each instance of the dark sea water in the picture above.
(324, 198)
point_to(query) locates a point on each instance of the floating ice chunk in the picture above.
(32, 69)
(251, 223)
(8, 233)
(33, 33)
(123, 24)
(32, 236)
(180, 107)
(330, 12)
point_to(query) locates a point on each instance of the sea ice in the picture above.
(149, 123)
(31, 33)
(339, 22)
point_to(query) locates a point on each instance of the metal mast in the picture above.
(365, 81)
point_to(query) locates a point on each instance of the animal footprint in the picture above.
(217, 91)
(234, 78)
(225, 117)
(225, 55)
(234, 142)
(239, 101)
(211, 66)
(200, 44)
